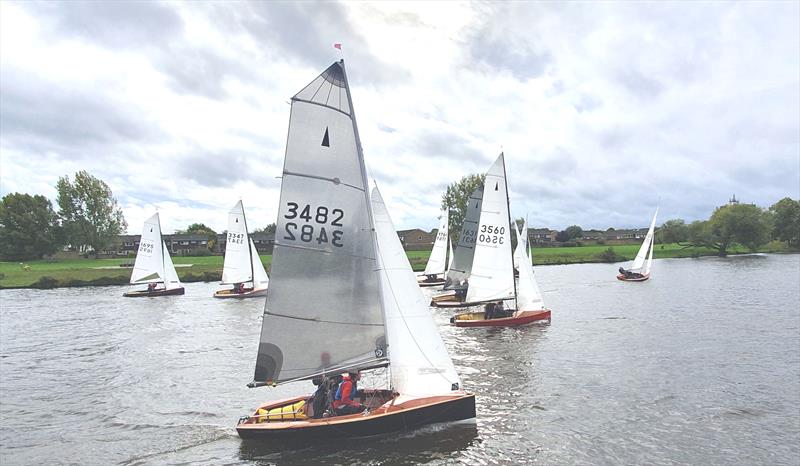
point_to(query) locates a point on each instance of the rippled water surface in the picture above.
(699, 365)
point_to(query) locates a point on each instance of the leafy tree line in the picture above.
(738, 224)
(88, 220)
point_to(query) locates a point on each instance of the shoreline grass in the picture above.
(102, 272)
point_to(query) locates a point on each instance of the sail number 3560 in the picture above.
(491, 234)
(308, 232)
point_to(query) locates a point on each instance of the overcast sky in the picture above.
(600, 108)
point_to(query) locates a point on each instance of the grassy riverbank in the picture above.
(96, 272)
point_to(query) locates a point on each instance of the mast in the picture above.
(249, 252)
(367, 200)
(508, 204)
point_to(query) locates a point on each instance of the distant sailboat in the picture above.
(435, 268)
(242, 264)
(343, 297)
(491, 276)
(492, 281)
(153, 264)
(640, 270)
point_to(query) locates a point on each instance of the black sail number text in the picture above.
(491, 234)
(313, 224)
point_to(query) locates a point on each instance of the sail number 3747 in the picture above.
(315, 222)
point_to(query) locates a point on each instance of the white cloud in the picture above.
(601, 109)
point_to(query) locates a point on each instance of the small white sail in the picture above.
(638, 262)
(171, 280)
(529, 297)
(420, 365)
(438, 258)
(652, 235)
(260, 278)
(237, 266)
(149, 265)
(526, 240)
(450, 246)
(492, 274)
(519, 252)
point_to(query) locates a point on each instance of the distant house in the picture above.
(416, 239)
(595, 235)
(126, 245)
(627, 234)
(541, 235)
(185, 244)
(264, 241)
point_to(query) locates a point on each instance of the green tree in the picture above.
(574, 231)
(786, 221)
(267, 229)
(455, 199)
(743, 224)
(28, 227)
(201, 229)
(673, 231)
(89, 212)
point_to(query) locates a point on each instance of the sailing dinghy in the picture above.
(434, 274)
(343, 297)
(491, 276)
(153, 264)
(242, 264)
(640, 270)
(457, 277)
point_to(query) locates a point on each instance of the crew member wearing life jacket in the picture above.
(344, 401)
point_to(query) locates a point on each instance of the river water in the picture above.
(699, 365)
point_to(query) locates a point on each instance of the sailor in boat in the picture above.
(629, 274)
(488, 311)
(430, 278)
(344, 402)
(151, 287)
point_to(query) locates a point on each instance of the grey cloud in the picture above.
(40, 116)
(117, 24)
(441, 144)
(218, 169)
(638, 84)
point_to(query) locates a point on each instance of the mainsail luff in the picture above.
(150, 255)
(323, 311)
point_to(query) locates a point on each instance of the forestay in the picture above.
(438, 258)
(237, 267)
(638, 262)
(420, 365)
(149, 265)
(323, 310)
(461, 266)
(492, 274)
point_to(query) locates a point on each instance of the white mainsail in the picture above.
(323, 311)
(260, 278)
(237, 267)
(420, 365)
(171, 280)
(492, 275)
(438, 258)
(647, 245)
(461, 265)
(149, 265)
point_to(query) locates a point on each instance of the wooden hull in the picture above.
(390, 417)
(154, 293)
(640, 279)
(248, 293)
(475, 319)
(424, 284)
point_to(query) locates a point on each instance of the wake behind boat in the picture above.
(153, 264)
(640, 271)
(242, 264)
(343, 297)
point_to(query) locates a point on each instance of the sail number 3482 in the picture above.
(315, 222)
